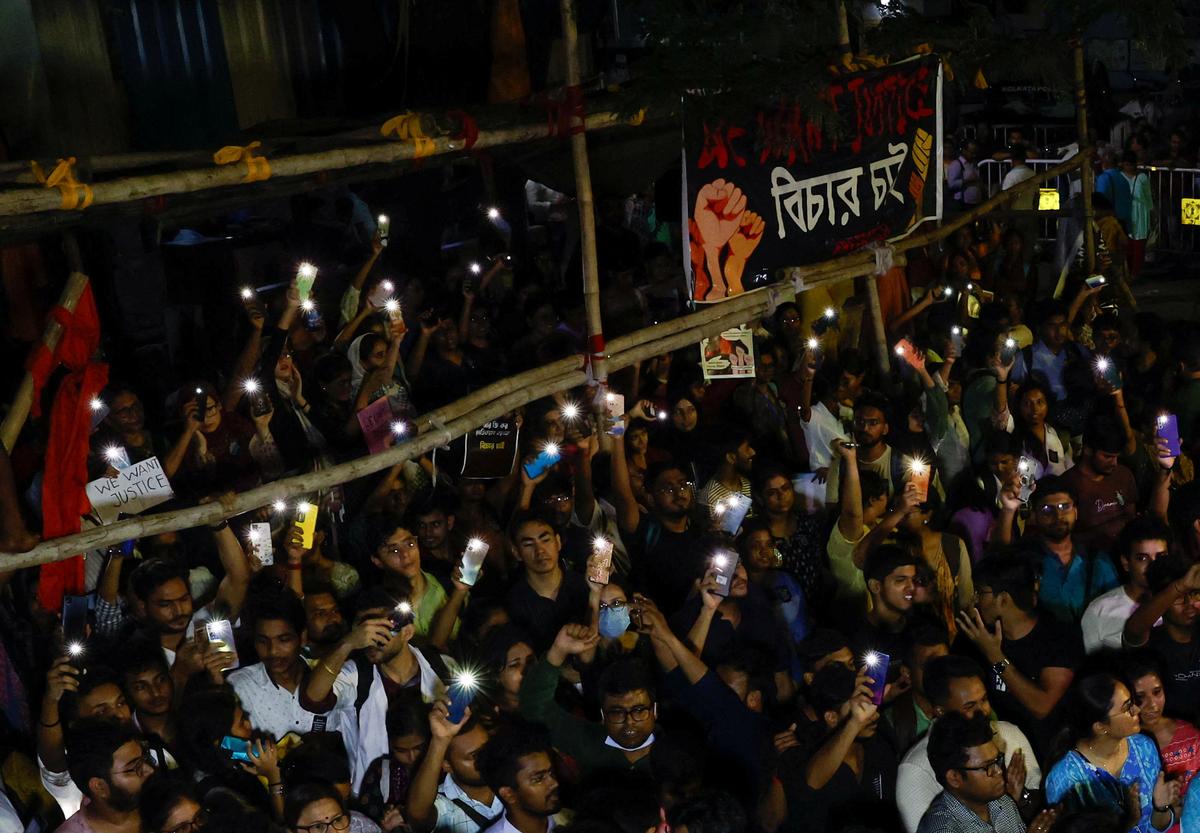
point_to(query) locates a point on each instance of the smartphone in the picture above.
(1109, 371)
(1167, 428)
(599, 563)
(260, 403)
(614, 408)
(220, 635)
(74, 626)
(100, 412)
(462, 690)
(384, 225)
(117, 457)
(306, 522)
(958, 338)
(238, 749)
(313, 319)
(905, 350)
(1095, 281)
(306, 276)
(736, 507)
(545, 460)
(201, 404)
(127, 548)
(1009, 351)
(1026, 473)
(260, 543)
(723, 564)
(876, 665)
(472, 561)
(919, 473)
(401, 617)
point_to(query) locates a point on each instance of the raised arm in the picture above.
(352, 297)
(850, 516)
(709, 602)
(907, 501)
(628, 514)
(243, 366)
(317, 695)
(441, 629)
(232, 591)
(1141, 622)
(1039, 697)
(420, 811)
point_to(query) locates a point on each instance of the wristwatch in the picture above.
(999, 667)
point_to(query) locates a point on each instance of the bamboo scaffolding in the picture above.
(509, 394)
(18, 201)
(1085, 170)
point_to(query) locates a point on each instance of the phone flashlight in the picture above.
(493, 213)
(384, 224)
(830, 313)
(813, 343)
(308, 305)
(387, 286)
(247, 293)
(899, 350)
(662, 416)
(570, 411)
(279, 506)
(399, 428)
(476, 268)
(462, 691)
(97, 404)
(948, 291)
(393, 308)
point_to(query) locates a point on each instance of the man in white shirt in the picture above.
(464, 803)
(363, 687)
(271, 690)
(955, 684)
(1143, 541)
(517, 764)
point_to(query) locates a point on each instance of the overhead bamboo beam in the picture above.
(1085, 171)
(18, 201)
(510, 394)
(14, 420)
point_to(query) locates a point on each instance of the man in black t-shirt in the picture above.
(890, 573)
(1175, 585)
(1031, 658)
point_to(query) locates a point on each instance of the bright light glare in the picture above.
(1010, 343)
(662, 415)
(476, 268)
(899, 349)
(599, 543)
(306, 270)
(399, 428)
(956, 331)
(948, 291)
(570, 411)
(308, 305)
(493, 213)
(1102, 364)
(917, 467)
(720, 562)
(279, 506)
(250, 386)
(255, 535)
(75, 649)
(97, 404)
(813, 344)
(475, 544)
(1023, 466)
(871, 659)
(830, 312)
(303, 508)
(383, 219)
(1162, 420)
(387, 286)
(404, 607)
(247, 293)
(392, 306)
(113, 453)
(550, 449)
(466, 679)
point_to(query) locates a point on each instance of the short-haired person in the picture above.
(396, 553)
(110, 763)
(628, 707)
(1106, 752)
(864, 504)
(734, 467)
(1071, 575)
(149, 689)
(1030, 657)
(547, 595)
(873, 452)
(890, 572)
(970, 767)
(954, 685)
(1175, 600)
(517, 763)
(1143, 541)
(463, 801)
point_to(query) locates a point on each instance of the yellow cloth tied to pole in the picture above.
(75, 194)
(257, 167)
(407, 128)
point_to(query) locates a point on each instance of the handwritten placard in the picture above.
(135, 489)
(376, 422)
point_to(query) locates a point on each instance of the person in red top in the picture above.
(1178, 740)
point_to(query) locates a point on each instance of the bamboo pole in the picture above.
(510, 394)
(23, 400)
(1085, 170)
(586, 203)
(17, 201)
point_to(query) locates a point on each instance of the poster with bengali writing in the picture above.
(778, 189)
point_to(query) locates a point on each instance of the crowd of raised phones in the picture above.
(960, 595)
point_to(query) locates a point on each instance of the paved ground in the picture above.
(1171, 287)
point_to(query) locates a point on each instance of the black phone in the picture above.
(401, 616)
(201, 404)
(74, 625)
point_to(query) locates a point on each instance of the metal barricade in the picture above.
(1169, 188)
(992, 173)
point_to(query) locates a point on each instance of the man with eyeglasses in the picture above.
(1143, 541)
(1071, 577)
(873, 454)
(627, 707)
(1166, 623)
(125, 426)
(954, 685)
(970, 768)
(546, 596)
(110, 764)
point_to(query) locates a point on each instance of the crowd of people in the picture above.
(960, 594)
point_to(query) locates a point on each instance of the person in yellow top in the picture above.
(863, 501)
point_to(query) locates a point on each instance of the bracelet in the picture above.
(50, 725)
(329, 670)
(276, 789)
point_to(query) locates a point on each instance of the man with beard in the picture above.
(324, 625)
(546, 596)
(463, 802)
(874, 454)
(362, 689)
(518, 765)
(1031, 658)
(661, 542)
(163, 604)
(1175, 588)
(627, 707)
(432, 517)
(110, 763)
(1106, 491)
(271, 689)
(1071, 577)
(146, 679)
(734, 466)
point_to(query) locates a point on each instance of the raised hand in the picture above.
(1014, 776)
(440, 727)
(370, 632)
(719, 208)
(63, 677)
(747, 236)
(988, 641)
(576, 639)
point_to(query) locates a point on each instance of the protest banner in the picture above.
(135, 489)
(491, 450)
(780, 190)
(730, 355)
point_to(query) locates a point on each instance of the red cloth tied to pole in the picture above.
(469, 132)
(564, 118)
(64, 483)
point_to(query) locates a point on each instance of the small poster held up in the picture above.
(135, 489)
(730, 355)
(376, 422)
(491, 450)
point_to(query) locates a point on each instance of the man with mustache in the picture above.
(110, 764)
(518, 764)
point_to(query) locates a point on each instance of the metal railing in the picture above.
(1169, 187)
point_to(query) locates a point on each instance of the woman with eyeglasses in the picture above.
(1105, 756)
(317, 807)
(170, 803)
(213, 454)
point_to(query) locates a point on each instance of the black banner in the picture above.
(778, 190)
(491, 450)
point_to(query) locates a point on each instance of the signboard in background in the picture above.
(376, 423)
(491, 450)
(730, 355)
(779, 189)
(135, 489)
